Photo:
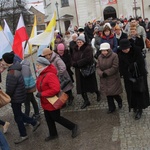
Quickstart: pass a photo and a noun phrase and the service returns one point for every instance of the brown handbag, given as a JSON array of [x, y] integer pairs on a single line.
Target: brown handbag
[[147, 42], [4, 98], [58, 100]]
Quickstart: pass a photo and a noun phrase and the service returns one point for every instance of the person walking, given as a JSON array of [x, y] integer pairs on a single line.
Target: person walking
[[82, 57], [48, 85], [108, 71], [30, 89], [5, 125], [128, 56], [15, 88]]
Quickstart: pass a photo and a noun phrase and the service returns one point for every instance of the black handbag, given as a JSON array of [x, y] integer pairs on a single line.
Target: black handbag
[[137, 80], [88, 70], [64, 81]]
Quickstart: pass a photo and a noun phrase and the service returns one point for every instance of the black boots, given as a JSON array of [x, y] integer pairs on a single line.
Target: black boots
[[138, 114], [98, 96], [86, 101], [70, 99]]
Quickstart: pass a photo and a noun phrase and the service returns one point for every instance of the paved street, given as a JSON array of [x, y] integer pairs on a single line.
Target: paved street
[[97, 129]]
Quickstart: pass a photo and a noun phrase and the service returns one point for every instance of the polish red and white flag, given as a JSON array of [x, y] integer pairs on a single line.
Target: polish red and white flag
[[20, 38]]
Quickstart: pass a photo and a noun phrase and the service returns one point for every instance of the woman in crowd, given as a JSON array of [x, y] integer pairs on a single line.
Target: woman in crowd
[[108, 37], [65, 56], [128, 56], [48, 86], [83, 56], [108, 71], [54, 58]]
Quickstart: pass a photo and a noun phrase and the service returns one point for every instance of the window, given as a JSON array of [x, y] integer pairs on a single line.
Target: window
[[64, 3]]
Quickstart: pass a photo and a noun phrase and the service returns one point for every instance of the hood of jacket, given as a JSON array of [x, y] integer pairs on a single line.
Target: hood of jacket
[[25, 62], [16, 66]]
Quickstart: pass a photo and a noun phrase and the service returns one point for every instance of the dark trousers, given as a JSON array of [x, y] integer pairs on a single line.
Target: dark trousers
[[110, 100], [31, 98], [54, 116], [3, 142], [21, 118], [2, 122]]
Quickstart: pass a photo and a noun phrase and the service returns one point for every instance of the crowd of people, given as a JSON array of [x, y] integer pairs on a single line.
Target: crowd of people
[[113, 49]]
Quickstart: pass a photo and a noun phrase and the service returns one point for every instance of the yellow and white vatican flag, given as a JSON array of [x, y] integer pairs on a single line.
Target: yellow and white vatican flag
[[28, 49], [46, 37], [5, 45]]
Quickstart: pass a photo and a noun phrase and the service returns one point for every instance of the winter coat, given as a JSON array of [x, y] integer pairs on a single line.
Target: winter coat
[[97, 42], [67, 60], [110, 85], [72, 45], [126, 61], [84, 57], [111, 39], [61, 69], [28, 78], [48, 85], [148, 32], [89, 33], [137, 41], [123, 36], [15, 86]]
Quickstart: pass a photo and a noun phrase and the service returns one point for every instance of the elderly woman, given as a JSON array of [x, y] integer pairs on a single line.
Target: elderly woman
[[48, 86], [54, 58], [108, 71], [82, 57], [128, 56]]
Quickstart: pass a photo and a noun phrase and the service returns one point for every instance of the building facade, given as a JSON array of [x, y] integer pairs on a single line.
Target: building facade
[[78, 12]]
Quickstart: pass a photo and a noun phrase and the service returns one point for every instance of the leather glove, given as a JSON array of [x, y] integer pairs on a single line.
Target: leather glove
[[104, 75], [38, 94]]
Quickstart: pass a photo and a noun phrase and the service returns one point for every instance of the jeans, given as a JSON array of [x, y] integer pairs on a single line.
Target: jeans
[[21, 118], [3, 143], [31, 98], [54, 116]]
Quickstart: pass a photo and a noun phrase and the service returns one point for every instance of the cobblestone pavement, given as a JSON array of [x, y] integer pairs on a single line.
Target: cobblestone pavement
[[97, 129]]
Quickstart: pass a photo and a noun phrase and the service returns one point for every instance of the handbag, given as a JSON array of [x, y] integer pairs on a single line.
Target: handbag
[[147, 42], [58, 100], [64, 81], [138, 84], [88, 70], [4, 98]]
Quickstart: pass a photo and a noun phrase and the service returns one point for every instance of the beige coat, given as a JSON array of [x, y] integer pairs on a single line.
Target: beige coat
[[110, 85]]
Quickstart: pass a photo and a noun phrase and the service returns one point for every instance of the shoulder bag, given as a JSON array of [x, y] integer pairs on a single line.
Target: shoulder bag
[[4, 98], [138, 84], [57, 100]]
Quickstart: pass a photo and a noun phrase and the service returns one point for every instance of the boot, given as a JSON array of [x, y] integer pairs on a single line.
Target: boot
[[86, 101], [98, 96], [71, 97], [119, 101], [138, 114], [111, 104]]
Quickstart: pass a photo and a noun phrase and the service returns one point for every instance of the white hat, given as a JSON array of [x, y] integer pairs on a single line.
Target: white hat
[[104, 46]]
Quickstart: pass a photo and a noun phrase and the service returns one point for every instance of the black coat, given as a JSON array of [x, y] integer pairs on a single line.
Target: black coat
[[126, 60], [15, 86], [84, 57]]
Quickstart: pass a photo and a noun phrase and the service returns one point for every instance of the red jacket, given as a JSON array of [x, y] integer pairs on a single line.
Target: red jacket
[[48, 85]]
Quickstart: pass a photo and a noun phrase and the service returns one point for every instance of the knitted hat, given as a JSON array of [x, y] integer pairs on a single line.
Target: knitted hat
[[124, 44], [60, 46], [58, 37], [81, 37], [8, 58], [46, 51], [104, 46], [43, 61]]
